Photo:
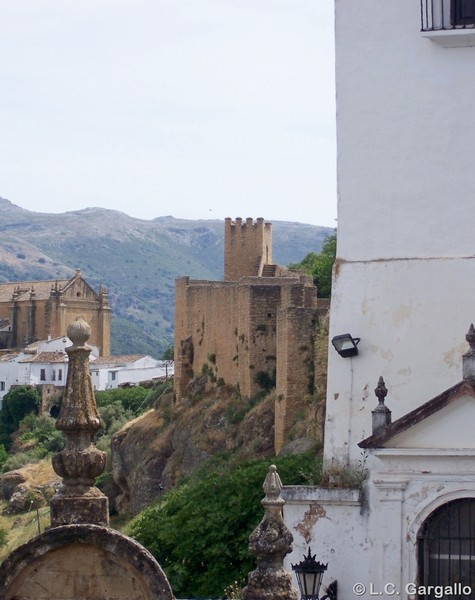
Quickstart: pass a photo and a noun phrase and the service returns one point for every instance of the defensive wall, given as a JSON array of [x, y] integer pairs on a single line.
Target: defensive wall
[[252, 332]]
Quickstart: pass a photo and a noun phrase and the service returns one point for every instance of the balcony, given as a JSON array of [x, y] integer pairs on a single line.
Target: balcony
[[447, 15]]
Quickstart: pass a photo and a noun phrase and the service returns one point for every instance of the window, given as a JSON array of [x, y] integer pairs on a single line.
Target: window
[[113, 375], [446, 545], [463, 12], [2, 386], [446, 15], [43, 375], [53, 377], [60, 374]]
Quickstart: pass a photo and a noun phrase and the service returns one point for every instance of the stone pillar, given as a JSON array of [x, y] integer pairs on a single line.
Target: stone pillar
[[78, 500], [270, 542]]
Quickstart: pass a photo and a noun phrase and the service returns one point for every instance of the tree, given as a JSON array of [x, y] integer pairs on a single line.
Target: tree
[[199, 531], [18, 403], [168, 353], [319, 266]]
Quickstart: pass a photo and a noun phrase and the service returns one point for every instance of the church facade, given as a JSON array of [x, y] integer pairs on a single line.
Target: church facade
[[38, 310], [397, 513]]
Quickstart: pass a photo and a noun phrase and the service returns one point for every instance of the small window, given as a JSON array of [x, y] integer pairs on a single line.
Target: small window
[[2, 386], [43, 375], [53, 376], [60, 374], [113, 375]]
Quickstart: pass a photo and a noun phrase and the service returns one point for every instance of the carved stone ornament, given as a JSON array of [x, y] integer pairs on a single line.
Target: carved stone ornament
[[270, 542], [78, 501]]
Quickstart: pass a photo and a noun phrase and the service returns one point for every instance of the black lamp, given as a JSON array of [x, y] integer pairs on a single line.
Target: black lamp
[[309, 575], [346, 345]]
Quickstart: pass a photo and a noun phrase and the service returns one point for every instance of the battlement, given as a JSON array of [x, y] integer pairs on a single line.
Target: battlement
[[247, 247]]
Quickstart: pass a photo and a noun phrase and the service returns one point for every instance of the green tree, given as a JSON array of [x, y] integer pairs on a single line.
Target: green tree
[[168, 353], [199, 531], [319, 266], [18, 403]]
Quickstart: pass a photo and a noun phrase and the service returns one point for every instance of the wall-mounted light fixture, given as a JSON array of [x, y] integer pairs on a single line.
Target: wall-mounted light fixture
[[346, 345]]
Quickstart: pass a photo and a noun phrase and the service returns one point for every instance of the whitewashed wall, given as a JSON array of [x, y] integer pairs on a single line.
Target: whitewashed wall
[[405, 277]]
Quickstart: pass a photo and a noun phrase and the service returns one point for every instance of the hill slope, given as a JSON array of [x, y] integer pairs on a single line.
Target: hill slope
[[138, 261]]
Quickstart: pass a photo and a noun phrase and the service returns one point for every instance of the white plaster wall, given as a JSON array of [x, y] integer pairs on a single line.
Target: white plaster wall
[[336, 531], [412, 317], [404, 136], [404, 279], [374, 543]]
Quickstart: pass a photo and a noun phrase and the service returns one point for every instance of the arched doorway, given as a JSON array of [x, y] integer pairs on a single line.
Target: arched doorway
[[446, 549]]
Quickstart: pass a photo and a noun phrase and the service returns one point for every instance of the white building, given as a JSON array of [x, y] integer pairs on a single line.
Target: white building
[[404, 283], [112, 371]]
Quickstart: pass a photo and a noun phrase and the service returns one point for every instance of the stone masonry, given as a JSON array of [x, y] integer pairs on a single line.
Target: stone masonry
[[255, 327]]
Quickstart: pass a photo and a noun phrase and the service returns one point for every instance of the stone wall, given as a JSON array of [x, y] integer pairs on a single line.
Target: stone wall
[[228, 330], [296, 328]]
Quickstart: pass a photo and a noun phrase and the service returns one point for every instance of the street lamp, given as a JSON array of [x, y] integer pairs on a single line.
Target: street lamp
[[346, 345], [309, 575]]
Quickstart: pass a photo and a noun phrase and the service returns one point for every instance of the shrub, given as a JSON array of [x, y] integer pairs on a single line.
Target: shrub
[[131, 398], [265, 380], [18, 403], [199, 531]]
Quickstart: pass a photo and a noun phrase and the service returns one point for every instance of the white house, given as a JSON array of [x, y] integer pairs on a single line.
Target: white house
[[404, 283], [44, 363], [111, 371]]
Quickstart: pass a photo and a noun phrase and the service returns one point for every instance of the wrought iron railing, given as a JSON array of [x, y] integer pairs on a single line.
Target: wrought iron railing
[[447, 14]]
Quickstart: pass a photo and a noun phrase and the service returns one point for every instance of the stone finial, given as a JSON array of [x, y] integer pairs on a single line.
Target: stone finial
[[381, 415], [468, 359], [78, 501], [269, 543]]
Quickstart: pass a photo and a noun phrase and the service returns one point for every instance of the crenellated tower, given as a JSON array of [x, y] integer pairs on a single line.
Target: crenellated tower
[[247, 247]]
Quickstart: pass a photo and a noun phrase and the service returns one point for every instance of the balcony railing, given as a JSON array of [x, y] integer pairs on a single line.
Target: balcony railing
[[438, 15]]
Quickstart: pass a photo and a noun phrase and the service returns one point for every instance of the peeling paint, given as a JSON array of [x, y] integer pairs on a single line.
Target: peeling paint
[[366, 392], [312, 515], [387, 354], [336, 396], [406, 372]]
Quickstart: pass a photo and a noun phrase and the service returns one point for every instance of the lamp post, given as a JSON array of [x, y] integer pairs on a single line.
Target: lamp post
[[309, 573]]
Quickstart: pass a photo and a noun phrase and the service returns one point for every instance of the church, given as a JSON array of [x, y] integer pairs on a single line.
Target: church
[[397, 514], [40, 310]]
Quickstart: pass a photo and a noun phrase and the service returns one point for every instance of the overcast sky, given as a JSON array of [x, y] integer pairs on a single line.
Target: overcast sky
[[191, 108]]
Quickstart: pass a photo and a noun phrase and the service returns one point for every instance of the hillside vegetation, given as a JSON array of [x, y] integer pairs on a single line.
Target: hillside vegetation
[[138, 261]]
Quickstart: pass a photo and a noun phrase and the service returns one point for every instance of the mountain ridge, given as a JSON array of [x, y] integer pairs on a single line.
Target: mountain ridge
[[137, 260]]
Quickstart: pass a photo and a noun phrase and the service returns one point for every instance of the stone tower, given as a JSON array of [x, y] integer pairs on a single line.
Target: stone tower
[[247, 247]]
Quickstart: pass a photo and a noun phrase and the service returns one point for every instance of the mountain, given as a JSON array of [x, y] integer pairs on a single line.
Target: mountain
[[138, 261]]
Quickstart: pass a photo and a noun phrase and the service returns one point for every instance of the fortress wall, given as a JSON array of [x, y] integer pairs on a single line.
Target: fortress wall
[[295, 374]]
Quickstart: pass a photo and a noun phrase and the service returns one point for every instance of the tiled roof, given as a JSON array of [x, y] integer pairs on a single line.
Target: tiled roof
[[119, 360], [42, 289], [8, 357], [46, 357]]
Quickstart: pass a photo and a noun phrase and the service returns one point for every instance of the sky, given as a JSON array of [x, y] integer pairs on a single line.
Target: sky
[[199, 109]]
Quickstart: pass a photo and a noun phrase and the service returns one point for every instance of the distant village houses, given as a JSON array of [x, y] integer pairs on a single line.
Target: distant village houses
[[45, 364]]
